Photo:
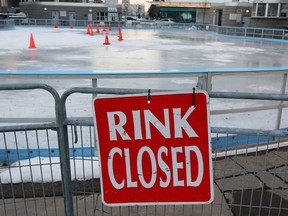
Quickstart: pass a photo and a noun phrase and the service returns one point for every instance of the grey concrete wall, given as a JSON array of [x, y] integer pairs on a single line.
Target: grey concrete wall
[[38, 12], [275, 23], [226, 21]]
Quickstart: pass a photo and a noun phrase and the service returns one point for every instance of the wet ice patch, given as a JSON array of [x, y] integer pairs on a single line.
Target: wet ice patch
[[219, 57]]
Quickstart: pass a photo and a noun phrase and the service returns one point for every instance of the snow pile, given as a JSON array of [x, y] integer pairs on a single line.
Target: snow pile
[[44, 169]]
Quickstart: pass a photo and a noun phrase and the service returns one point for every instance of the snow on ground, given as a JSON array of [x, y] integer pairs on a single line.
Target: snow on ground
[[141, 50], [44, 169]]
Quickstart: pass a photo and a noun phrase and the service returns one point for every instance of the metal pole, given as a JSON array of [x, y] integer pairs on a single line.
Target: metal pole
[[94, 85], [64, 159], [280, 106]]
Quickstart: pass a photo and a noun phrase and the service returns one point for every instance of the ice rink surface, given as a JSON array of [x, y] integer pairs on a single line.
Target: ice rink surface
[[140, 50], [64, 49]]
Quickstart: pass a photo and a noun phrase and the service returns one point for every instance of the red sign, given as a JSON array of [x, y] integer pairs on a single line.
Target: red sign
[[154, 151]]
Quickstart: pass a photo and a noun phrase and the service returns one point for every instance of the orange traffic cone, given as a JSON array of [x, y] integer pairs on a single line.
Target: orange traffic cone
[[97, 28], [56, 25], [32, 44], [91, 33], [71, 25], [120, 38], [88, 29], [110, 28], [106, 40], [104, 27]]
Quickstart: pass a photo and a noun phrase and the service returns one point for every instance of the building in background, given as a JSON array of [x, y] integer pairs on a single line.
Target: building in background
[[72, 11], [185, 11], [218, 12], [4, 5], [237, 13], [240, 13], [270, 14], [125, 7]]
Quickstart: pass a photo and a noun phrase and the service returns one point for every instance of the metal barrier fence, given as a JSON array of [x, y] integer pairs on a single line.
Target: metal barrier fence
[[250, 178], [265, 33], [6, 23]]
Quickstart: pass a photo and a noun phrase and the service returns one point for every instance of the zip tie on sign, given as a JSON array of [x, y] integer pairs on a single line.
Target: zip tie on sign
[[148, 96], [193, 97]]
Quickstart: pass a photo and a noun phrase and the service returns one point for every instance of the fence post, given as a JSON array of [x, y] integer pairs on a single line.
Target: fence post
[[205, 82], [64, 159], [95, 85], [280, 106]]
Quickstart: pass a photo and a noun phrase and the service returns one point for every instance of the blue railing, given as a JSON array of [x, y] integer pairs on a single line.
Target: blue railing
[[264, 33]]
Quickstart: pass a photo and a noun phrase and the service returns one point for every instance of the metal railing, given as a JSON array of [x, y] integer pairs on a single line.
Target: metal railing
[[249, 178], [6, 23], [264, 33]]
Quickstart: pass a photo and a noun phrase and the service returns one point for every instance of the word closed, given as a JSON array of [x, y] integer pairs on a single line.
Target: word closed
[[154, 153]]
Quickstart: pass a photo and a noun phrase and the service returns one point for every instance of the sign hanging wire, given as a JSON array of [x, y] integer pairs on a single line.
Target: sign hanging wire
[[193, 97], [148, 96]]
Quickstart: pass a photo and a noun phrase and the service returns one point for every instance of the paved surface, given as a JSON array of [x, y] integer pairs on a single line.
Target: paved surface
[[254, 184]]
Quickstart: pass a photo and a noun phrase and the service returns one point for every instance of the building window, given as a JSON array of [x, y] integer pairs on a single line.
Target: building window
[[254, 9], [272, 9], [284, 10], [261, 9], [102, 16]]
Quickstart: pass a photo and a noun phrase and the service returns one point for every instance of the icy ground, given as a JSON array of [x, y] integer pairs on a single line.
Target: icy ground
[[141, 50]]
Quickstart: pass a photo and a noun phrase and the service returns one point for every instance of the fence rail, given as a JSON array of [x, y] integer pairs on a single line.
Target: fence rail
[[65, 179], [264, 33]]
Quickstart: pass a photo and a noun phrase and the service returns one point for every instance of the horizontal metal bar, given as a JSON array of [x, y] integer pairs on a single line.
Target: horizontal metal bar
[[230, 95], [80, 122], [245, 109], [243, 95], [51, 126], [116, 91], [243, 131], [26, 120], [138, 74]]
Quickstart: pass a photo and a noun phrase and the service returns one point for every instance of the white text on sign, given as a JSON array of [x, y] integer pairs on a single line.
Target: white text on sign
[[150, 118], [176, 166]]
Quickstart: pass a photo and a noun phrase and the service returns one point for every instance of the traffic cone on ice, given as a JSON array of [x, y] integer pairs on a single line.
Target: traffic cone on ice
[[104, 27], [106, 42], [97, 28], [110, 28], [88, 29], [91, 33], [71, 25], [56, 25], [120, 38], [32, 44]]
